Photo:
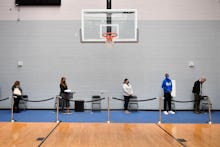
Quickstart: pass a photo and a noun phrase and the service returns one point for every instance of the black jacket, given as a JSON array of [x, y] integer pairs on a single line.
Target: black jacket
[[63, 88], [196, 87]]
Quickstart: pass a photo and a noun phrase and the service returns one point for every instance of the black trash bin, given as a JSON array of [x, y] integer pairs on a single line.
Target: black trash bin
[[79, 106]]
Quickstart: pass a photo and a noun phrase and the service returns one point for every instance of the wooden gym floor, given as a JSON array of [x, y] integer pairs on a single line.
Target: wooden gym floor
[[108, 135]]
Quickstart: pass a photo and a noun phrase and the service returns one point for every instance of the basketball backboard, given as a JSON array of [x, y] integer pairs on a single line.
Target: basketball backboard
[[96, 22]]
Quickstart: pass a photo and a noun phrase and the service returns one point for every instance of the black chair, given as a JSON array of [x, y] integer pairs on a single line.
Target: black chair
[[96, 103], [23, 102], [173, 106]]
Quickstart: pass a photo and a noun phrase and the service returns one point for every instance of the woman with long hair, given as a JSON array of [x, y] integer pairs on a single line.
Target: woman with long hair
[[65, 102], [17, 93]]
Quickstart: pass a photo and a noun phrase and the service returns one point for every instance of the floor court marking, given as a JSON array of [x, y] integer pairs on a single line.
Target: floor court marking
[[181, 143], [49, 134], [170, 135]]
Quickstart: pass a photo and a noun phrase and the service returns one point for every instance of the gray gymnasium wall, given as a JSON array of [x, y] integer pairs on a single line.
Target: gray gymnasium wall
[[51, 49]]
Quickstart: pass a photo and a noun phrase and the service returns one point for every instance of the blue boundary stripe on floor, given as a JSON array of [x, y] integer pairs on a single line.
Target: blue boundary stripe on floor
[[115, 116]]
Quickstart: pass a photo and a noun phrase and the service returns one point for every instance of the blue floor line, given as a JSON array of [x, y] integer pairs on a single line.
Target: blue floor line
[[115, 116]]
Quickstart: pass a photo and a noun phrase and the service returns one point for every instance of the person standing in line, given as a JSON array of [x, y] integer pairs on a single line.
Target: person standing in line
[[167, 89], [17, 94], [197, 91], [127, 93], [65, 102]]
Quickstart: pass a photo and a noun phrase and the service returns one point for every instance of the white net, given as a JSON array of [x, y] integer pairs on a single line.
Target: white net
[[109, 38]]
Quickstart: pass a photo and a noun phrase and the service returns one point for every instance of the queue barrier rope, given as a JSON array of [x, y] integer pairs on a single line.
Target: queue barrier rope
[[183, 101], [94, 100], [202, 97], [143, 100], [4, 99], [84, 101], [37, 100]]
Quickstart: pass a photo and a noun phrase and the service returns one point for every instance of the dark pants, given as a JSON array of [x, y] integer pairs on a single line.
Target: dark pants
[[16, 103], [167, 101], [64, 102], [127, 99], [197, 98]]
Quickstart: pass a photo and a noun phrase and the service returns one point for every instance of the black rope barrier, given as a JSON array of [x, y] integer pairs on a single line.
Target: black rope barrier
[[4, 99], [86, 101], [135, 100], [202, 97], [183, 101], [37, 100], [66, 99], [94, 100]]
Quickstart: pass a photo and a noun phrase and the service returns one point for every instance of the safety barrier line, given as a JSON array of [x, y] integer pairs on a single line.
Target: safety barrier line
[[4, 99], [143, 100], [182, 101], [37, 100]]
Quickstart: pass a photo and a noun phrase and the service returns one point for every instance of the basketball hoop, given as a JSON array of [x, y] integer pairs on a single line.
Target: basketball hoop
[[109, 38]]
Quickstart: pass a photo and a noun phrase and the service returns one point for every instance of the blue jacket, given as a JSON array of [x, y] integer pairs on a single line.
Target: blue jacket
[[167, 85]]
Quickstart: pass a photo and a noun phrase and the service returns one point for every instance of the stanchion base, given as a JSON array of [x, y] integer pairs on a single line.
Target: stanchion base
[[12, 120], [57, 121], [159, 122], [108, 122], [210, 122]]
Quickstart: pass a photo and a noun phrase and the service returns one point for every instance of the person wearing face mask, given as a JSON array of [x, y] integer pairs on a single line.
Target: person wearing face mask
[[167, 89], [127, 93], [65, 101], [197, 91], [17, 94]]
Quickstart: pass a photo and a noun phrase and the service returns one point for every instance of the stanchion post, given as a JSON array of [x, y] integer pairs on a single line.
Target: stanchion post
[[12, 109], [108, 111], [160, 112], [209, 108], [57, 107]]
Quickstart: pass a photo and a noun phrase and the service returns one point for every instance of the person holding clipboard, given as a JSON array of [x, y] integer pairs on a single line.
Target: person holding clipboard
[[64, 101]]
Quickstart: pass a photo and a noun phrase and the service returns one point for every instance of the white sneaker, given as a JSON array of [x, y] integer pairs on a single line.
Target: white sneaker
[[165, 112], [127, 112], [171, 112]]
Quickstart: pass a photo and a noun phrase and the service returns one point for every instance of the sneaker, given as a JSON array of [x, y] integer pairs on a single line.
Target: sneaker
[[127, 112], [171, 112], [165, 112], [68, 113]]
